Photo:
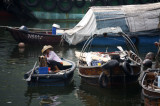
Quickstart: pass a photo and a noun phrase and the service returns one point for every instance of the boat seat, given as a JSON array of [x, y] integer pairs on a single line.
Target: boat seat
[[66, 65]]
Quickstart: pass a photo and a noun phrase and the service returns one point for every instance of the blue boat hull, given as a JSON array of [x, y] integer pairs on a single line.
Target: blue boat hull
[[52, 81], [61, 78], [119, 40]]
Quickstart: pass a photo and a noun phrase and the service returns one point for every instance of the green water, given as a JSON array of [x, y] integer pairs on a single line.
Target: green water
[[14, 63]]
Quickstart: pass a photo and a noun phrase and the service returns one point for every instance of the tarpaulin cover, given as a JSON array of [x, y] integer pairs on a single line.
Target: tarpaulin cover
[[108, 19]]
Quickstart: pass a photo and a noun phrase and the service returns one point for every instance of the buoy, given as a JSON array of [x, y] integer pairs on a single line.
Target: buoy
[[21, 45]]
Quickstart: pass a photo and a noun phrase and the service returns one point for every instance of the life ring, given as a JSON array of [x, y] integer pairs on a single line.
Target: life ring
[[32, 3], [65, 8], [47, 7], [81, 4], [127, 68], [103, 80], [93, 2]]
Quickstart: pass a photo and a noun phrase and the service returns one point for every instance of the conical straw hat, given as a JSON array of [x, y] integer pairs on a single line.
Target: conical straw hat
[[46, 47]]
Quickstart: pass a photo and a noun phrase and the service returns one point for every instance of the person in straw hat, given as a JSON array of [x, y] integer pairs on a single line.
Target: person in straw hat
[[53, 60]]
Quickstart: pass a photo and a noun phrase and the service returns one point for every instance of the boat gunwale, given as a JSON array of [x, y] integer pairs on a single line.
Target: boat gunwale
[[67, 71], [145, 88], [30, 32]]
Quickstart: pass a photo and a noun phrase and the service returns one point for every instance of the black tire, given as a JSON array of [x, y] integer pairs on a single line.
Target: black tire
[[103, 80], [142, 1], [127, 68], [65, 9], [48, 7], [135, 2], [79, 5], [110, 64], [138, 2], [150, 1], [103, 2], [108, 3], [125, 2], [32, 4], [120, 2]]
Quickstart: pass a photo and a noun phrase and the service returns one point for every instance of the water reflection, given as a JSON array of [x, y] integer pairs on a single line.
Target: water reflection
[[47, 96], [95, 96]]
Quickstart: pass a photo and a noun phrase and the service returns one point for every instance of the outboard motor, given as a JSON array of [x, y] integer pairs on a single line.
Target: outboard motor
[[23, 28]]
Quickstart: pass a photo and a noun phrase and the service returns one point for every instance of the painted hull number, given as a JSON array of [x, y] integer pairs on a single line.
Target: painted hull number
[[33, 36]]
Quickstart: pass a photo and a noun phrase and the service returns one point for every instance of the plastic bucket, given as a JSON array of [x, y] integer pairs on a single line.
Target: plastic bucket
[[54, 28]]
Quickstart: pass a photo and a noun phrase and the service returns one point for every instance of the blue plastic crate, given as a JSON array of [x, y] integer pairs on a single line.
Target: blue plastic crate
[[43, 70], [95, 62]]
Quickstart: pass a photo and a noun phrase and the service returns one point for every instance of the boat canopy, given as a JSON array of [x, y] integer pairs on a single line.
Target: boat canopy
[[108, 19]]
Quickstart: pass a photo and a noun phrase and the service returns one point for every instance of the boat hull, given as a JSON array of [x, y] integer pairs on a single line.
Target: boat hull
[[61, 78], [150, 90], [33, 37], [150, 98], [117, 77], [119, 40], [46, 80]]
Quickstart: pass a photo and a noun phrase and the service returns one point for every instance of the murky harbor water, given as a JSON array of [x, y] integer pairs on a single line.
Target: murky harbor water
[[14, 63]]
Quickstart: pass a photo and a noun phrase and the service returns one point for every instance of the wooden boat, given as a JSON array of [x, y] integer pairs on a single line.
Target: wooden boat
[[61, 78], [34, 36], [116, 68], [150, 88], [150, 80]]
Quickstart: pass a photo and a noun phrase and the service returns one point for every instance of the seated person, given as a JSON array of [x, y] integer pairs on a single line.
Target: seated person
[[53, 60]]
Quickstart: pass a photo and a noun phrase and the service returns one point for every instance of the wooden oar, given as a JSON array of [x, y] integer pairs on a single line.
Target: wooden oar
[[29, 78]]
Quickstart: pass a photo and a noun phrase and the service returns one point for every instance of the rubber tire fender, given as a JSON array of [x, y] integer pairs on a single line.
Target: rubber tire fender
[[109, 2], [103, 80], [79, 5], [120, 2], [93, 2], [127, 68], [49, 8], [65, 9], [139, 1], [125, 2], [35, 3]]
